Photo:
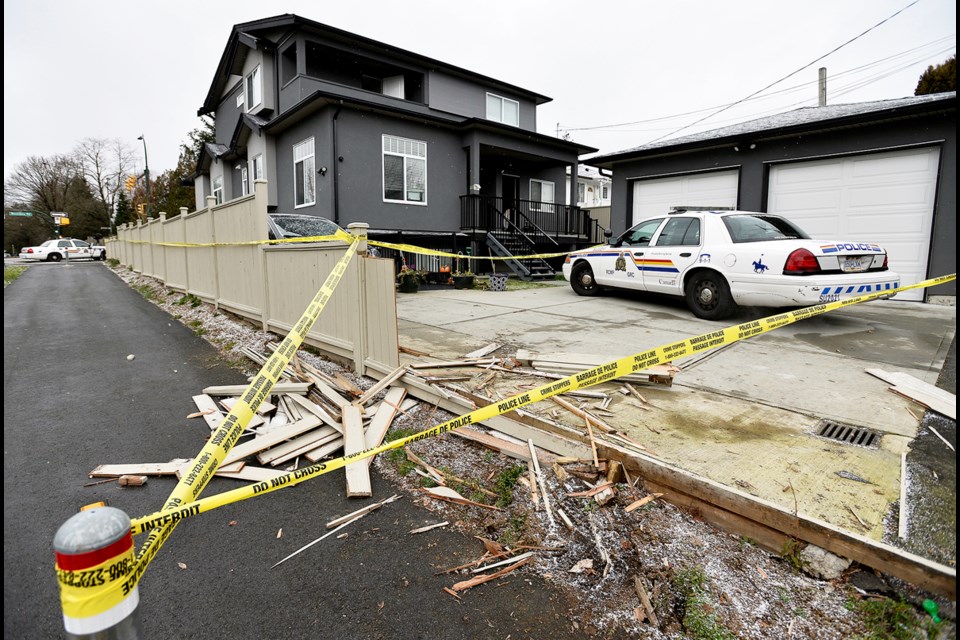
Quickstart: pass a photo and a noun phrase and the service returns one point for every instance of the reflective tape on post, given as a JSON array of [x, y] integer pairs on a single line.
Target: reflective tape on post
[[94, 552]]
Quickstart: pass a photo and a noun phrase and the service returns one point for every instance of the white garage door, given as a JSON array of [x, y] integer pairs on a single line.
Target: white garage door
[[885, 198], [655, 197]]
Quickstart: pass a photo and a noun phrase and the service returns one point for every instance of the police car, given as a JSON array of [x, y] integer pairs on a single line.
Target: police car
[[718, 259], [57, 250]]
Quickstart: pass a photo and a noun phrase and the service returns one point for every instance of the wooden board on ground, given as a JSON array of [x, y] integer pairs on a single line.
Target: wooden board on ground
[[297, 446], [930, 396], [211, 412], [358, 473], [252, 474], [255, 420], [299, 388], [275, 437], [569, 363], [316, 410], [383, 419]]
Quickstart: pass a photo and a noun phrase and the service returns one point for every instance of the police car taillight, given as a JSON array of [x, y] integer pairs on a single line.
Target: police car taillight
[[801, 262], [884, 267]]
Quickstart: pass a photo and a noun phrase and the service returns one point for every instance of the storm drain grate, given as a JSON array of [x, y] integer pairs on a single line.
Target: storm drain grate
[[847, 433]]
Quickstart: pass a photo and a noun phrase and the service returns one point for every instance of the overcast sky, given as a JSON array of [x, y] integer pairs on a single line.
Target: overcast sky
[[103, 68]]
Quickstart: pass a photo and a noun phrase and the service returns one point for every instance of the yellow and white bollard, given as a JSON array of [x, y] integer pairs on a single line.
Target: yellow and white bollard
[[94, 553]]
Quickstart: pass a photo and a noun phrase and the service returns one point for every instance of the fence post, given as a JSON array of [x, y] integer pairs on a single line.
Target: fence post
[[359, 230], [162, 247], [186, 260], [98, 543], [211, 204]]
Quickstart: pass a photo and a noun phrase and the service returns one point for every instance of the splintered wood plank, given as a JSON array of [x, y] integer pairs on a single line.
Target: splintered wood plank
[[502, 446], [252, 474], [924, 393], [318, 411], [321, 452], [383, 419], [255, 420], [142, 469], [275, 437], [358, 473], [466, 362], [297, 446], [211, 412], [482, 351], [381, 385], [266, 408], [300, 388]]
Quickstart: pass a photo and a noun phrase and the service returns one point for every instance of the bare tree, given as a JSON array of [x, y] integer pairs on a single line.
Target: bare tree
[[44, 184], [105, 164]]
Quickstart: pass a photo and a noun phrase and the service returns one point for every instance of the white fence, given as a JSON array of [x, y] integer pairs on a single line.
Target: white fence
[[271, 285]]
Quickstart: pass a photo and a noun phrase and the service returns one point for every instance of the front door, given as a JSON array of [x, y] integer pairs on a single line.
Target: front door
[[510, 190]]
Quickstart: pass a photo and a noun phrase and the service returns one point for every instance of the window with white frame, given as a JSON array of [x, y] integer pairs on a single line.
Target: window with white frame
[[218, 189], [541, 195], [253, 89], [244, 182], [581, 192], [258, 166], [304, 175], [505, 110], [404, 170], [605, 192]]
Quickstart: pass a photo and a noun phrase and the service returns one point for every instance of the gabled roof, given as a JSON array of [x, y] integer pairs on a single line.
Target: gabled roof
[[252, 34], [804, 119]]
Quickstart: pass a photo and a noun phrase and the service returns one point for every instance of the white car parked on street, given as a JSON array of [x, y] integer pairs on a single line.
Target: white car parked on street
[[57, 250], [718, 259]]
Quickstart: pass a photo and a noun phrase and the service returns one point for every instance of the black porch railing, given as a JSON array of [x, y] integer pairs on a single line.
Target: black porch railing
[[555, 223]]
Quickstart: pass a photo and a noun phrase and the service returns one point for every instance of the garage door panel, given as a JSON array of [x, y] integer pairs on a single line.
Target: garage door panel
[[898, 167], [910, 195], [808, 201], [819, 174], [656, 196], [886, 198]]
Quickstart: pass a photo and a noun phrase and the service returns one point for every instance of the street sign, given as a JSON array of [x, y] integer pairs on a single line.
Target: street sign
[[57, 214], [63, 221], [22, 214]]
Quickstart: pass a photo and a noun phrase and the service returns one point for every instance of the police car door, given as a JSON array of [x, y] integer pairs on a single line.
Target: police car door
[[673, 251], [619, 263]]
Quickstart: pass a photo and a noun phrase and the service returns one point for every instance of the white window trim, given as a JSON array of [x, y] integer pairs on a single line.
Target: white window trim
[[258, 86], [502, 102], [244, 182], [258, 167], [537, 205], [217, 191], [383, 177], [303, 159]]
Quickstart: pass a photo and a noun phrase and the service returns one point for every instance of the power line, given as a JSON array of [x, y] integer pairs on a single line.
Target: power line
[[803, 86], [793, 73]]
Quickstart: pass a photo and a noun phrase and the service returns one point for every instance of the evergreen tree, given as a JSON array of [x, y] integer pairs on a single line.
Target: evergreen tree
[[124, 213], [938, 79]]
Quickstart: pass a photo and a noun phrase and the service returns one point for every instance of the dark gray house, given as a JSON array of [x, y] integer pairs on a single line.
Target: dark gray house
[[356, 130], [882, 171]]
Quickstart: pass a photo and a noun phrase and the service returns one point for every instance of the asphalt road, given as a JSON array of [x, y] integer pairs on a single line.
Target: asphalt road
[[72, 401]]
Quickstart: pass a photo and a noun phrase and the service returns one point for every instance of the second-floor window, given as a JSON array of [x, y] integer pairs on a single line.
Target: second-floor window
[[541, 193], [244, 182], [304, 174], [258, 166], [218, 189], [581, 192], [605, 192], [505, 110], [404, 170], [253, 89]]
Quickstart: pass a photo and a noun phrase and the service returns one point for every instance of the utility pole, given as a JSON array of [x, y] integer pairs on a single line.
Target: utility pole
[[822, 87], [146, 171]]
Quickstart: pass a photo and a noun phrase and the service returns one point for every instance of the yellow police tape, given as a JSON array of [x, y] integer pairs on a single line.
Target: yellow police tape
[[341, 235], [410, 248], [85, 593], [232, 426], [595, 375]]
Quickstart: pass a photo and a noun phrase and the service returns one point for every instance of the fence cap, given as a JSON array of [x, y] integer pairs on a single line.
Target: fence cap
[[91, 530]]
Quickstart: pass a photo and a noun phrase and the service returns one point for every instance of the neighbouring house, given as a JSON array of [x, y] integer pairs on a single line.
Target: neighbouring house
[[355, 130], [593, 193], [882, 171]]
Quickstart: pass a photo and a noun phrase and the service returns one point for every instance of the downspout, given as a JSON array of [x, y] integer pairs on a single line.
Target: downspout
[[336, 169]]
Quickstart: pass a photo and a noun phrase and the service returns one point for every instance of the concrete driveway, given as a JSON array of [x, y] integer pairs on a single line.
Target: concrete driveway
[[747, 414]]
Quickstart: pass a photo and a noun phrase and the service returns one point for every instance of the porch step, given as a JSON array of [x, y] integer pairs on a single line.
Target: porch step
[[509, 246]]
